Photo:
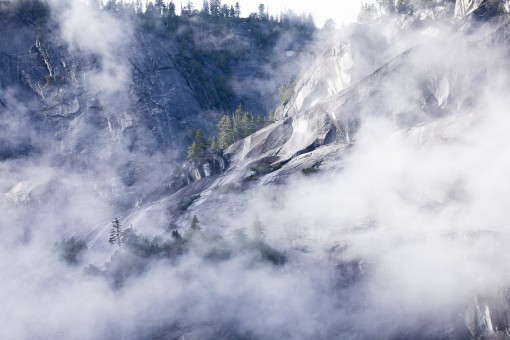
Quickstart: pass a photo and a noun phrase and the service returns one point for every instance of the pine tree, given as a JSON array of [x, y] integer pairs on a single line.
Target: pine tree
[[225, 132], [171, 9], [176, 235], [248, 124], [237, 124], [237, 10], [197, 150], [116, 233], [160, 7], [215, 7], [205, 9], [213, 144], [195, 224], [262, 11], [138, 7], [195, 230], [224, 11]]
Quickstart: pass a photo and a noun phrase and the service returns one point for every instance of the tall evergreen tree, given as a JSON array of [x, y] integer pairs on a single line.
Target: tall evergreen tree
[[195, 231], [171, 9], [225, 132], [112, 6], [176, 235], [215, 7], [116, 233], [237, 10], [138, 7], [225, 11], [213, 144], [262, 11], [205, 9], [237, 124], [160, 7], [197, 150], [195, 224]]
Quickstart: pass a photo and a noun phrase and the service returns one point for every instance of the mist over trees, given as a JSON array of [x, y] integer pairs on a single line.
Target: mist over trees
[[201, 34], [369, 203]]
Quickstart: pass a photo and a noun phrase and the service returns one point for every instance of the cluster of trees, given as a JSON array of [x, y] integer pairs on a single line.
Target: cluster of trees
[[215, 8], [369, 11], [129, 238], [240, 125], [211, 9], [153, 13], [230, 129], [31, 11], [136, 252], [134, 244]]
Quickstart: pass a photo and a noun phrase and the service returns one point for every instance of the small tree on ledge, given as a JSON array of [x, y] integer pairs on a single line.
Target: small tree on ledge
[[195, 224], [116, 233], [195, 229], [198, 149]]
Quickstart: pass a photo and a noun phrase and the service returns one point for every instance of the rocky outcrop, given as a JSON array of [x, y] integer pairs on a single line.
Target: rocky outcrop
[[426, 99], [137, 103], [215, 164], [480, 8]]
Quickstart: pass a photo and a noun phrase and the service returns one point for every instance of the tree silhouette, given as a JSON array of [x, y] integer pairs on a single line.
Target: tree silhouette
[[225, 132], [195, 224], [116, 233], [197, 150]]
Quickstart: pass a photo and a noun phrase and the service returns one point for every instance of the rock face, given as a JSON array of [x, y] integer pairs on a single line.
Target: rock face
[[126, 102], [329, 102], [427, 93], [480, 8], [430, 95], [163, 103]]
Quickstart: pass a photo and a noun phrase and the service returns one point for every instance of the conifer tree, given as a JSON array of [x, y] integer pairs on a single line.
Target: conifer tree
[[237, 124], [237, 10], [116, 233], [262, 11], [224, 11], [171, 9], [195, 230], [205, 9], [160, 7], [195, 224], [215, 7], [213, 144], [176, 235], [225, 132], [197, 150]]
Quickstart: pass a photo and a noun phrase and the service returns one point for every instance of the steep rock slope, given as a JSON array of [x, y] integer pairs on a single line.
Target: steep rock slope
[[421, 85], [125, 97], [430, 95]]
